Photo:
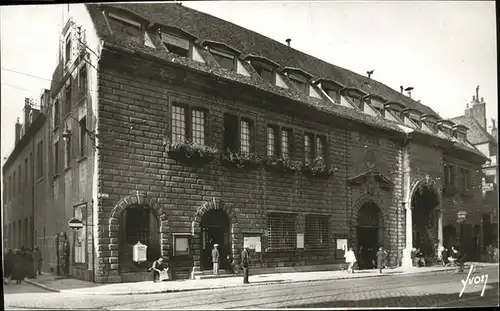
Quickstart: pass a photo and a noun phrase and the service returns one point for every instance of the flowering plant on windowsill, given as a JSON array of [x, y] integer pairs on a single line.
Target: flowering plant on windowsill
[[190, 150], [318, 167], [281, 163], [240, 159]]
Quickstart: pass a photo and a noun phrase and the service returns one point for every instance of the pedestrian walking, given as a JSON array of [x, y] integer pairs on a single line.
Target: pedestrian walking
[[381, 257], [244, 262], [215, 259], [350, 259], [37, 260]]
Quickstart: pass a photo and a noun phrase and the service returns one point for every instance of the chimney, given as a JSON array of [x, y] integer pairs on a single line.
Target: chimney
[[288, 41], [27, 109], [477, 93], [18, 131], [494, 130], [401, 88]]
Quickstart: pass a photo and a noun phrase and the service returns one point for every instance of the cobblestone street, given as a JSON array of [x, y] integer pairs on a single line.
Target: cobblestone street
[[425, 290]]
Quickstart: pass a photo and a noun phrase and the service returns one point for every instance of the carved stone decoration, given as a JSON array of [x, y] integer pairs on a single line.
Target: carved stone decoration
[[371, 179], [370, 159]]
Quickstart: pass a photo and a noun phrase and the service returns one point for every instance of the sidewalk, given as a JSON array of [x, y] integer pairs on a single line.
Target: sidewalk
[[56, 284]]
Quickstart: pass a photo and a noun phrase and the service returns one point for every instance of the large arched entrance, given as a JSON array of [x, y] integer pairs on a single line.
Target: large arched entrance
[[214, 229], [138, 223], [424, 202], [368, 233]]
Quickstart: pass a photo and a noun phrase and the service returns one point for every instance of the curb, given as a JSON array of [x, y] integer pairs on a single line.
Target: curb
[[42, 286], [164, 291]]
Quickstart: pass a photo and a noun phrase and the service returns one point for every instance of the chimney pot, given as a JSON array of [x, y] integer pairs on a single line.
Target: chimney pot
[[473, 98], [288, 41], [482, 99], [401, 88]]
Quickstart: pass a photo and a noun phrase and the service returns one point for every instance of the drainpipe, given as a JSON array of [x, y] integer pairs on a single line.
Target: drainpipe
[[32, 192]]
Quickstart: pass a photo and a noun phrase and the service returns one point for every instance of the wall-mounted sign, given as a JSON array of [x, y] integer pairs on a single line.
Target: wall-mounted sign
[[75, 224], [139, 252], [342, 244], [251, 242], [488, 187], [300, 240]]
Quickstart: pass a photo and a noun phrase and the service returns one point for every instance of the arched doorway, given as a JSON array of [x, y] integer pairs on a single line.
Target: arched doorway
[[214, 229], [368, 233], [424, 202], [138, 223]]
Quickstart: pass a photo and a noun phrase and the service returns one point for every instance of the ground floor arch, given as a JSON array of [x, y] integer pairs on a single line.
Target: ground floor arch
[[369, 233]]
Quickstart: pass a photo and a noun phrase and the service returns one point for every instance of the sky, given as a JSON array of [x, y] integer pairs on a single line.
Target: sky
[[442, 49]]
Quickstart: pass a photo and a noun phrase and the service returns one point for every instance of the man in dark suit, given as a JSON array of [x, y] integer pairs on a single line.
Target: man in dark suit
[[244, 264]]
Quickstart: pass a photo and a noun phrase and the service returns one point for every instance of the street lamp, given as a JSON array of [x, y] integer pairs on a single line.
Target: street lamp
[[66, 134]]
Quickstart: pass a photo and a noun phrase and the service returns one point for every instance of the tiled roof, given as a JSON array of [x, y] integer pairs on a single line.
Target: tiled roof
[[207, 27], [476, 133]]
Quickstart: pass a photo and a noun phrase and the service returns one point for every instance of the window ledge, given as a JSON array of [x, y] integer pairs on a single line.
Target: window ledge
[[66, 169], [82, 158], [55, 176], [39, 180]]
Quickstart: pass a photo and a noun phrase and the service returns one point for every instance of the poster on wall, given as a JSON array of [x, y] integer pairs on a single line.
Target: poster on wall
[[300, 240], [342, 244], [251, 242]]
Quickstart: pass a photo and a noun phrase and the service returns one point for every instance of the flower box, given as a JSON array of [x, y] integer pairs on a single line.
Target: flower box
[[281, 164], [191, 152], [318, 168], [240, 159]]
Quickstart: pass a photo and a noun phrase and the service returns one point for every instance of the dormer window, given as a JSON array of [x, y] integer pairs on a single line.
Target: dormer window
[[355, 99], [264, 67], [445, 127], [378, 106], [459, 132], [225, 60], [176, 45], [125, 28], [333, 94], [265, 72], [300, 82]]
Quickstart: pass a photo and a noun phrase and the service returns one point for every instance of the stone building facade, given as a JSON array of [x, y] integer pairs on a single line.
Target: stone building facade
[[203, 132]]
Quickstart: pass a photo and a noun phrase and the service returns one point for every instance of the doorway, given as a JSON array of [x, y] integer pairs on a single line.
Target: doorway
[[214, 229], [368, 234], [424, 220]]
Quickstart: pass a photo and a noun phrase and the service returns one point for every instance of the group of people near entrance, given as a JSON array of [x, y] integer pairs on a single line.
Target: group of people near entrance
[[22, 263], [380, 259]]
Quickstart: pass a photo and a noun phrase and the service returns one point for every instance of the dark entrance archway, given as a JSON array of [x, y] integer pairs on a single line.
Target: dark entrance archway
[[368, 234], [424, 202], [214, 229]]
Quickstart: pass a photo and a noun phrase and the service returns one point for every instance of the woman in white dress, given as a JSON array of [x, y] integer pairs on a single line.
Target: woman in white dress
[[350, 258]]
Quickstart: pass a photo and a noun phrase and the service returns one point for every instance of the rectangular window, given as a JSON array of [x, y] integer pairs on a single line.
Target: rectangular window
[[82, 80], [286, 143], [55, 114], [320, 147], [271, 141], [181, 244], [178, 123], [281, 230], [265, 73], [198, 127], [125, 28], [83, 135], [224, 60], [67, 153], [308, 148], [56, 157], [68, 50], [246, 136], [333, 94], [317, 234], [67, 99], [176, 45]]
